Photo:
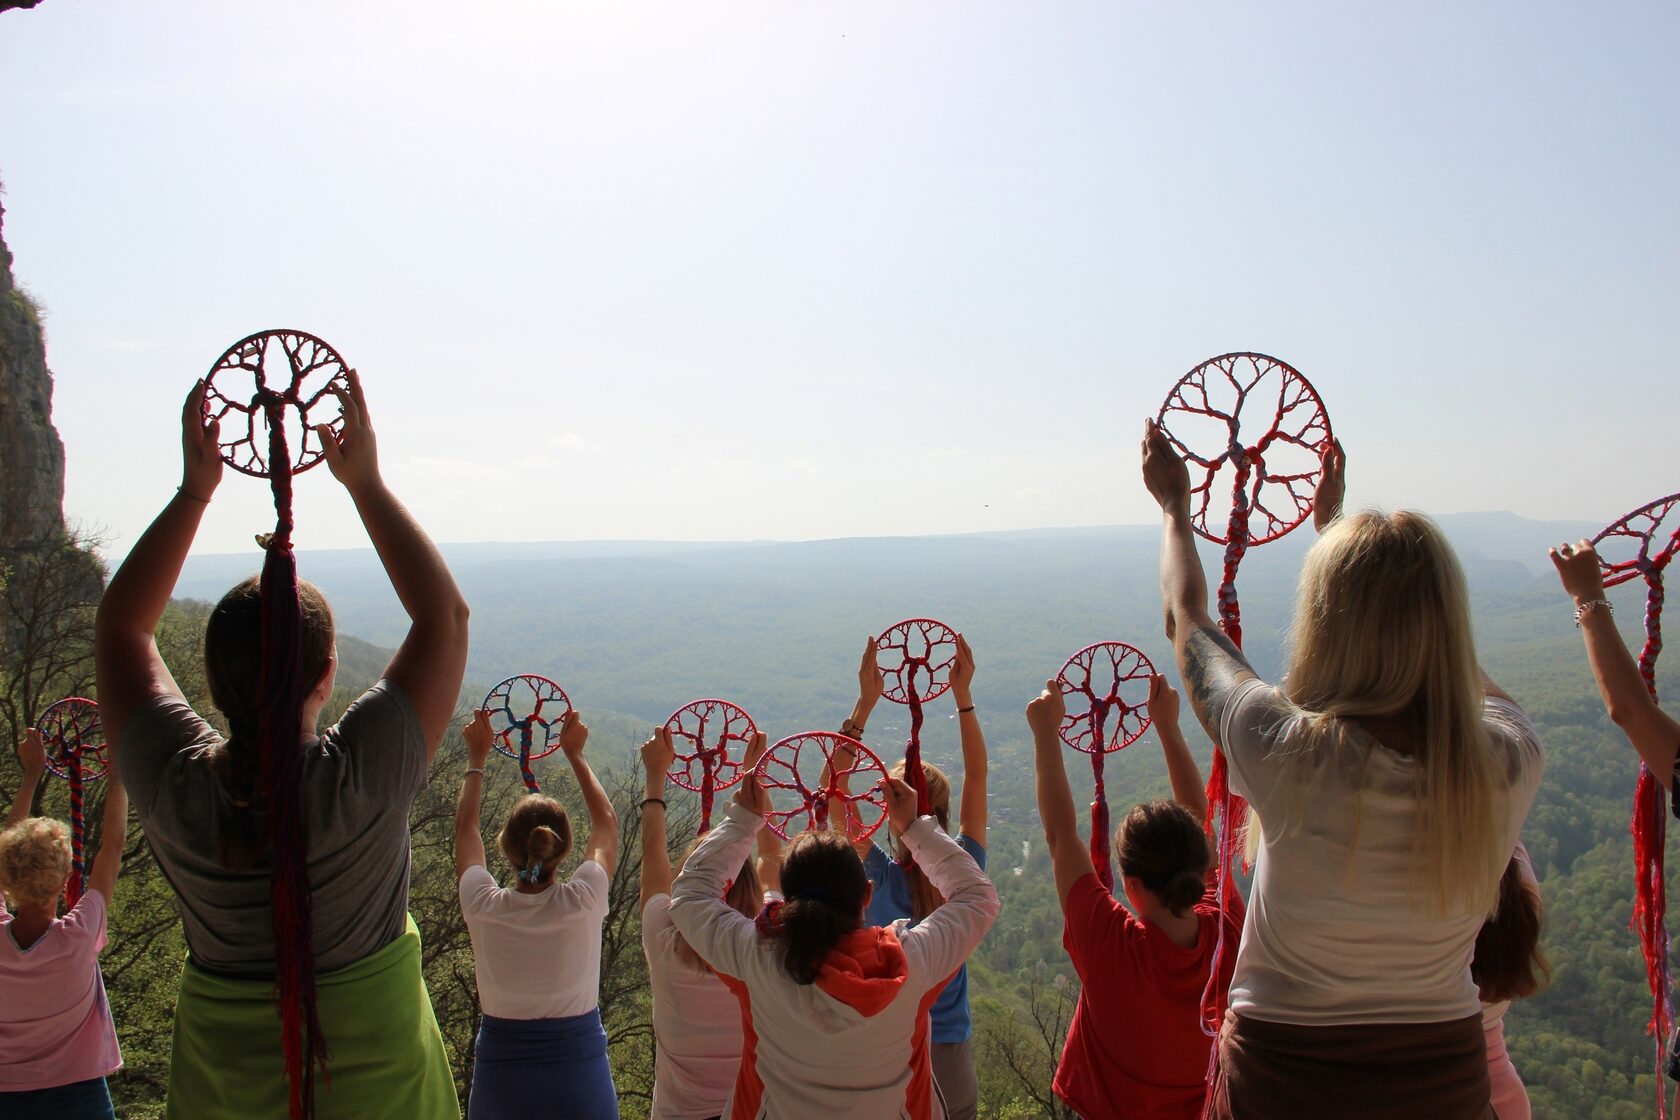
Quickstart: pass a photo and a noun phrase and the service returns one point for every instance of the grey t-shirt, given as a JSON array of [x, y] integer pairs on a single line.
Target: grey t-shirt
[[359, 781]]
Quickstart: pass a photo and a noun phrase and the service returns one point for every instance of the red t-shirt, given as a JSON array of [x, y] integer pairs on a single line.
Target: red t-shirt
[[1136, 1047]]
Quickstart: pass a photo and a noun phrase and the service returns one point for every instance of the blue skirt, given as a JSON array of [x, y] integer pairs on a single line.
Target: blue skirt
[[84, 1100], [526, 1069]]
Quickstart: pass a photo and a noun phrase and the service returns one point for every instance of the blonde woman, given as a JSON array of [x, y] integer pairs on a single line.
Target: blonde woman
[[1393, 780], [57, 1041], [697, 1025]]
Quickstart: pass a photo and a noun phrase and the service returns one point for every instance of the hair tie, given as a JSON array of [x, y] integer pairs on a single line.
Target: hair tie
[[769, 920], [532, 873]]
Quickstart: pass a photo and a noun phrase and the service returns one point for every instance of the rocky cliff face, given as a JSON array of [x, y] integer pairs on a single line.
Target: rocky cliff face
[[31, 456]]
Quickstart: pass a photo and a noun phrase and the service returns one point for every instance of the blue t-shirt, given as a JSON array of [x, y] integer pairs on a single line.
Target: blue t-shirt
[[891, 902]]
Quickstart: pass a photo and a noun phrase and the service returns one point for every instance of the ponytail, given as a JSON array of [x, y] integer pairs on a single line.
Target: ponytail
[[826, 889], [536, 837], [541, 846]]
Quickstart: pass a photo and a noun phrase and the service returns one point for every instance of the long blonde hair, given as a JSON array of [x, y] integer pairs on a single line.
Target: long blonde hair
[[924, 897], [1382, 629]]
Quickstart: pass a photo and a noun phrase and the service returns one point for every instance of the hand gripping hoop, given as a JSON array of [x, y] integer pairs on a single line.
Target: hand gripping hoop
[[1273, 472], [1642, 544], [904, 651], [518, 708], [798, 762], [292, 376], [1112, 680], [711, 738], [75, 746]]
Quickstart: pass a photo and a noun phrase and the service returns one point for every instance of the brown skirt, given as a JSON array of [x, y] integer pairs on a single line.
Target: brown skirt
[[1388, 1071]]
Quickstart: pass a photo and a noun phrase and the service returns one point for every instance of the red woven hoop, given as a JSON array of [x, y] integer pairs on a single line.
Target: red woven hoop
[[916, 645], [1272, 468], [1112, 679], [797, 763], [518, 708], [711, 738], [245, 381], [71, 727]]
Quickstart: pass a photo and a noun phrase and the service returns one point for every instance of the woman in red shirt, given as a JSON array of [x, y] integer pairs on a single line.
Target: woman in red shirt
[[1135, 1047]]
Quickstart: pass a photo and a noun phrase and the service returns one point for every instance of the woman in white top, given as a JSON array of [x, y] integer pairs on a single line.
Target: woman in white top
[[541, 1050], [835, 1012], [696, 1016], [1393, 780]]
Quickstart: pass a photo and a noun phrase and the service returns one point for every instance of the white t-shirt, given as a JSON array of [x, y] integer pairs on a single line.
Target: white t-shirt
[[696, 1023], [1327, 942], [536, 956]]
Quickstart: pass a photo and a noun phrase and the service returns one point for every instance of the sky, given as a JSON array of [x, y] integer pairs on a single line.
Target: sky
[[788, 271]]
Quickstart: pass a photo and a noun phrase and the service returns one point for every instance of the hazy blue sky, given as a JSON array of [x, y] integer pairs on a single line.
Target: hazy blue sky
[[798, 270]]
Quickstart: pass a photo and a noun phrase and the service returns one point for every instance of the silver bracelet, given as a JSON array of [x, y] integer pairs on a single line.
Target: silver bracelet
[[1587, 607], [479, 770]]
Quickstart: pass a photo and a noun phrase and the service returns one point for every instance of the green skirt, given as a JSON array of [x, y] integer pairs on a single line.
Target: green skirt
[[387, 1052]]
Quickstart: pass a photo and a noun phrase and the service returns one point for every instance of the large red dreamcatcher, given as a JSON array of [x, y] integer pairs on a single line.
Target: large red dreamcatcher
[[1641, 546], [520, 707], [284, 381], [916, 657], [711, 738], [75, 746], [1106, 689], [804, 765], [1256, 431]]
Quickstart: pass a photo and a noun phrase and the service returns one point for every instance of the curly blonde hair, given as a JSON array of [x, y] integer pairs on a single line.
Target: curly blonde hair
[[34, 860]]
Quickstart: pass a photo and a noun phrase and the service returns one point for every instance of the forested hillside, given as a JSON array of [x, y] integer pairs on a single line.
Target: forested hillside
[[634, 630]]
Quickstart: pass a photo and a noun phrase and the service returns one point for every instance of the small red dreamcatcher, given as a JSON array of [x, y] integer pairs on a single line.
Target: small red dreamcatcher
[[916, 657], [1270, 469], [1106, 689], [75, 746], [520, 707], [804, 765], [1640, 546], [711, 738]]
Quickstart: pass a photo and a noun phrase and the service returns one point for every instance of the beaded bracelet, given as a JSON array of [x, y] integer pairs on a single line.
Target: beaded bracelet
[[659, 801], [1587, 607]]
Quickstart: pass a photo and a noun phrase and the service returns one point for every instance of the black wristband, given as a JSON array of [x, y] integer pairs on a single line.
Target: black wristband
[[965, 711], [659, 801]]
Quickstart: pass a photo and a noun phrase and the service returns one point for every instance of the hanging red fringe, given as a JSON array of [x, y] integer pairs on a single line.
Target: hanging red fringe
[[280, 731], [1102, 857]]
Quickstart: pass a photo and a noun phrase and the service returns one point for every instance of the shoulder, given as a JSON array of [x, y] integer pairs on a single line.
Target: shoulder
[[1514, 733], [165, 724], [384, 707], [477, 888], [590, 885], [1089, 901], [973, 847]]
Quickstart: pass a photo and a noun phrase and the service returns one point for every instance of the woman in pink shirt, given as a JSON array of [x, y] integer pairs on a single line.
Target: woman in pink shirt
[[57, 1041]]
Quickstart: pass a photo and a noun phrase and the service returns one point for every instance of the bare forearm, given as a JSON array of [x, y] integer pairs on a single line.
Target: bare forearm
[[113, 834], [1184, 593], [974, 772], [602, 818], [469, 840], [1653, 733], [1182, 771], [417, 571], [1055, 797], [656, 859]]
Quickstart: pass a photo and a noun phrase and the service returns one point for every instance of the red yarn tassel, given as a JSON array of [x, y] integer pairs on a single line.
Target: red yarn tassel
[[282, 690], [1649, 827], [1101, 850], [78, 827], [913, 772]]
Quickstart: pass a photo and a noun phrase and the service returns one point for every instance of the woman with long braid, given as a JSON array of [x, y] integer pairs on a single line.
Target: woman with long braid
[[1392, 779], [205, 812]]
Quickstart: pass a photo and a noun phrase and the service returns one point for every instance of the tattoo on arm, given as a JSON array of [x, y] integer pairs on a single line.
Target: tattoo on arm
[[1212, 666]]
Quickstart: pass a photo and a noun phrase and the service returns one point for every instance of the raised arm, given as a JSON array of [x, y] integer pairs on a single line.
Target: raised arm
[[1654, 733], [469, 838], [129, 669], [657, 754], [871, 683], [722, 935], [1332, 487], [770, 845], [603, 822], [1182, 771], [973, 812], [33, 758], [944, 939], [1208, 662], [113, 835], [433, 656], [1070, 859]]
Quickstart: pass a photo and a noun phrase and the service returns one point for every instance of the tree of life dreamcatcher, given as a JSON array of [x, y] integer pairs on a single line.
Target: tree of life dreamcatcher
[[75, 746], [1256, 431], [1106, 689], [711, 738], [803, 765], [284, 381], [916, 657], [1641, 545], [520, 708]]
